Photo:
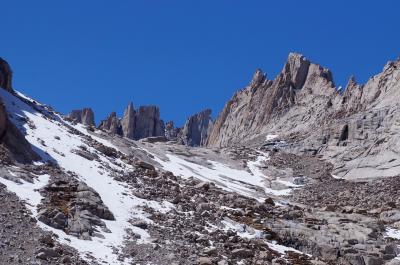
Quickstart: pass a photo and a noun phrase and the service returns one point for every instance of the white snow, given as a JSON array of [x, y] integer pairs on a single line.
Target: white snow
[[282, 249], [227, 178], [115, 196], [242, 230], [393, 233], [336, 177], [28, 191], [270, 137], [245, 231]]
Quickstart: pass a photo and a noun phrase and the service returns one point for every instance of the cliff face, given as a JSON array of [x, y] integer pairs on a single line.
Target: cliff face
[[148, 122], [196, 129], [251, 109], [356, 130], [128, 122]]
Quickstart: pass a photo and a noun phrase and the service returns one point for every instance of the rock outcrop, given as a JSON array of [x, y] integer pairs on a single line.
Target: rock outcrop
[[74, 207], [84, 116], [143, 123], [111, 125], [148, 122], [5, 75], [196, 129]]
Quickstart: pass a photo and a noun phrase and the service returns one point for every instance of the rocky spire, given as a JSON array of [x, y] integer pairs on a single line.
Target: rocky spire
[[84, 116], [148, 122], [196, 129], [128, 122], [111, 125], [5, 75]]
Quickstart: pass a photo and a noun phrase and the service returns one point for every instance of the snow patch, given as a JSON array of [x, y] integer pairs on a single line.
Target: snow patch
[[29, 192], [253, 184], [271, 137], [393, 233], [246, 231]]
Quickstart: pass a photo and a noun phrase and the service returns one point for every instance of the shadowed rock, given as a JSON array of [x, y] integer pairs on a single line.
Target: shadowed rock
[[14, 143], [5, 75]]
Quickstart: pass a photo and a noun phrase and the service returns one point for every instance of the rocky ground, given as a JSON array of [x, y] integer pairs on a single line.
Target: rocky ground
[[23, 242]]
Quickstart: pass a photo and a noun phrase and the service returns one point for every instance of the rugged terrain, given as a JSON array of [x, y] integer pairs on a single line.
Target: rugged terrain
[[293, 171]]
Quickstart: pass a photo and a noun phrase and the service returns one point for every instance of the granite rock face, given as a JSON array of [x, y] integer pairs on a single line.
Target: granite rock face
[[128, 122], [196, 129], [5, 75], [84, 116], [135, 124], [356, 129], [148, 122], [251, 109]]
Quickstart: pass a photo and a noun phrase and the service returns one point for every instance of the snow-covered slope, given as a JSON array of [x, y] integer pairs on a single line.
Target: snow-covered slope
[[52, 138]]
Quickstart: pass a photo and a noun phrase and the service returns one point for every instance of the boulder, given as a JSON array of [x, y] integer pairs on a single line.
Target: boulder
[[204, 261], [242, 253]]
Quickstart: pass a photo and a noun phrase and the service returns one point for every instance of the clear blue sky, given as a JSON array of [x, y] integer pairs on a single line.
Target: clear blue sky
[[184, 55]]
